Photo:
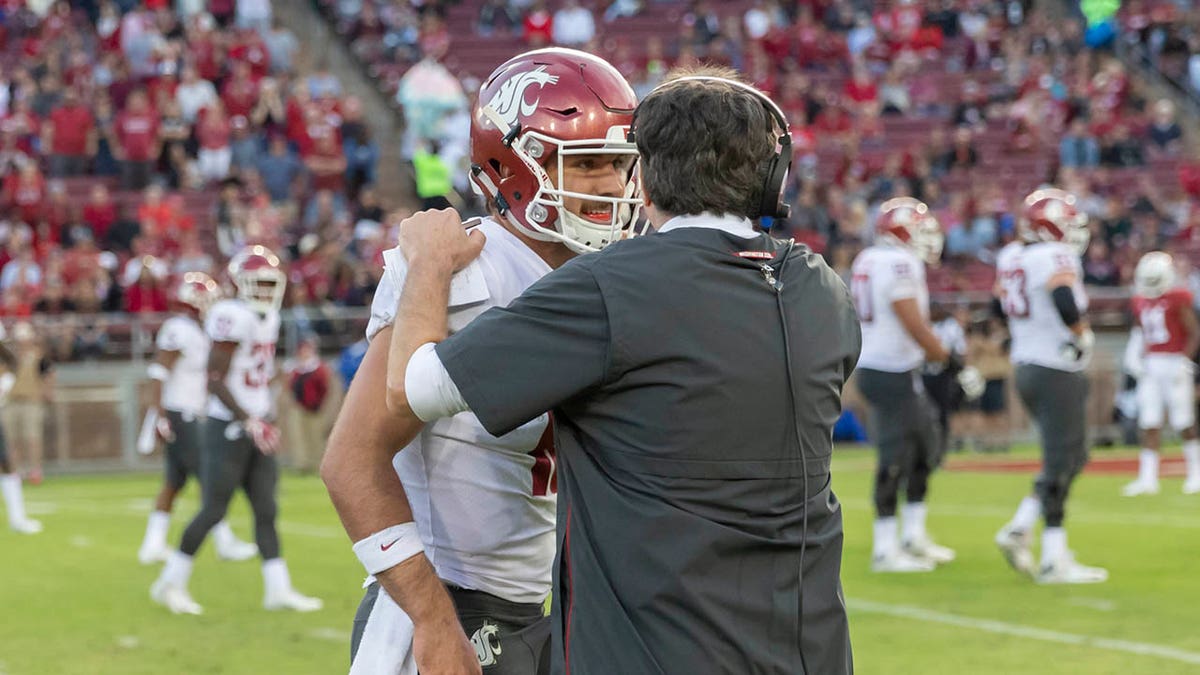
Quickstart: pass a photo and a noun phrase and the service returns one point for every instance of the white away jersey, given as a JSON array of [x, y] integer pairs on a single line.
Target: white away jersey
[[186, 389], [881, 276], [1038, 332], [253, 364], [484, 504]]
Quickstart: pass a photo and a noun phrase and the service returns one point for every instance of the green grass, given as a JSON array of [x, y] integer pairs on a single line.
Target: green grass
[[74, 600]]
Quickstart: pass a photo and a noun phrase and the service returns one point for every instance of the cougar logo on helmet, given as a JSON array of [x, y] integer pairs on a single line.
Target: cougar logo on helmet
[[509, 102]]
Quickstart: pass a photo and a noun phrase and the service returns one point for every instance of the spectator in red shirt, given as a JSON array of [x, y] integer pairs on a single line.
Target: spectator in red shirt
[[249, 49], [25, 192], [147, 295], [240, 93], [213, 132], [537, 25], [70, 137], [860, 89], [100, 212], [22, 124], [327, 164], [138, 143]]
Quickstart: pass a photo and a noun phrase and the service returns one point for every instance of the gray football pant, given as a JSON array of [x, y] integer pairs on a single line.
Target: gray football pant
[[1057, 402], [225, 465], [904, 423], [509, 638]]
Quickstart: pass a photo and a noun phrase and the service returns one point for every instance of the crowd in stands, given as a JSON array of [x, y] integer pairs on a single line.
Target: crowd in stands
[[143, 139], [967, 104]]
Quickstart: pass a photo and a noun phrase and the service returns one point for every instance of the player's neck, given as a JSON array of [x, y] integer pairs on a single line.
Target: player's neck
[[553, 253]]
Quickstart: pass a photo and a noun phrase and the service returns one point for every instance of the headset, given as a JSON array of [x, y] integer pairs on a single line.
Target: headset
[[780, 164]]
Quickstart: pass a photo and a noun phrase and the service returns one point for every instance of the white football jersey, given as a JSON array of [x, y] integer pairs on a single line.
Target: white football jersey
[[881, 276], [253, 364], [186, 389], [1038, 332], [484, 505]]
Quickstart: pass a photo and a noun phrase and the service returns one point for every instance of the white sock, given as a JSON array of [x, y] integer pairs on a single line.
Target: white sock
[[885, 536], [275, 575], [1029, 510], [223, 535], [156, 530], [1054, 544], [178, 570], [1148, 466], [1191, 455], [14, 501], [913, 520]]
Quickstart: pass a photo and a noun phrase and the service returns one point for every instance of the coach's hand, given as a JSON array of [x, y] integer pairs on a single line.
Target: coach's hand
[[439, 238]]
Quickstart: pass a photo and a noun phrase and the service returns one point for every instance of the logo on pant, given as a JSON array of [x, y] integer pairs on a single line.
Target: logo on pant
[[487, 643]]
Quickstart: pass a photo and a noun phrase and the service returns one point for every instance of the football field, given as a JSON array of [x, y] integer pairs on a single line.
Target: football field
[[73, 600]]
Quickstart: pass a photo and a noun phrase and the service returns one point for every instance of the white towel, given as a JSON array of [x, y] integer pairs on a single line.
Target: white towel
[[386, 645]]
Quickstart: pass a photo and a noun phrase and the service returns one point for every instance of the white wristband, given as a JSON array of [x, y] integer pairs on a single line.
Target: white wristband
[[158, 371], [387, 548]]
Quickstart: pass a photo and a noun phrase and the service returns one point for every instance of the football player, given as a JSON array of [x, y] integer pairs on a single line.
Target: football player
[[240, 442], [550, 156], [179, 390], [10, 480], [1040, 288], [890, 294], [1170, 336]]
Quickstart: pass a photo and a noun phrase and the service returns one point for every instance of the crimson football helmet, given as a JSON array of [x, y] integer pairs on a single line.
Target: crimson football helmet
[[905, 221], [1050, 214], [198, 291], [532, 112], [260, 281]]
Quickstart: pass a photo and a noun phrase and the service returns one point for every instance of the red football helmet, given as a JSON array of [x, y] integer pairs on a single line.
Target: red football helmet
[[1051, 215], [259, 279], [905, 221], [198, 291], [533, 111]]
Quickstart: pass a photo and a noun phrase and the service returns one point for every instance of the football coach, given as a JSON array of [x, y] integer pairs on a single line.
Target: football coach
[[694, 376]]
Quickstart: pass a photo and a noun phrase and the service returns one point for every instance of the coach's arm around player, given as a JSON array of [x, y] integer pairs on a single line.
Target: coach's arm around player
[[370, 499]]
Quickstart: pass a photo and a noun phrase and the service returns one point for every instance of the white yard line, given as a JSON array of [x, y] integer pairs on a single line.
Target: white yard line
[[1023, 631]]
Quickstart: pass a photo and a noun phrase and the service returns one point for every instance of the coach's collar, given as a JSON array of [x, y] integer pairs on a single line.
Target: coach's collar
[[737, 226]]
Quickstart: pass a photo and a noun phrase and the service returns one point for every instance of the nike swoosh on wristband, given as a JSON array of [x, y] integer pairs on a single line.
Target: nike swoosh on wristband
[[383, 547]]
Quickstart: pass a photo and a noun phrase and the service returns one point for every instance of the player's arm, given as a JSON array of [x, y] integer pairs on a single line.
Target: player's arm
[[1062, 293], [909, 314], [435, 247], [369, 497], [1192, 326], [219, 359], [159, 370]]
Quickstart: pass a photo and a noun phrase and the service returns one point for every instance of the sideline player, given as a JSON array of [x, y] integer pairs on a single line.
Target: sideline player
[[10, 480], [892, 300], [1040, 288], [179, 389], [1170, 337], [239, 443], [557, 178]]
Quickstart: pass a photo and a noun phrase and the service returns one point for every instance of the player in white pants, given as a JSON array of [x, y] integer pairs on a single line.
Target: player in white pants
[[1170, 336]]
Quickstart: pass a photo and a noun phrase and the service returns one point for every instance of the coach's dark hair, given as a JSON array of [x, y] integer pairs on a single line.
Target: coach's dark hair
[[705, 145]]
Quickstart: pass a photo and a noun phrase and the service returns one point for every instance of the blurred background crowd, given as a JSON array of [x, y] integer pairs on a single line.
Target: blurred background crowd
[[140, 139]]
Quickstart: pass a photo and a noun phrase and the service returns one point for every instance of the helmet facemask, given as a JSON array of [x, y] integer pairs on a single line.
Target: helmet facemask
[[262, 289], [579, 233]]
